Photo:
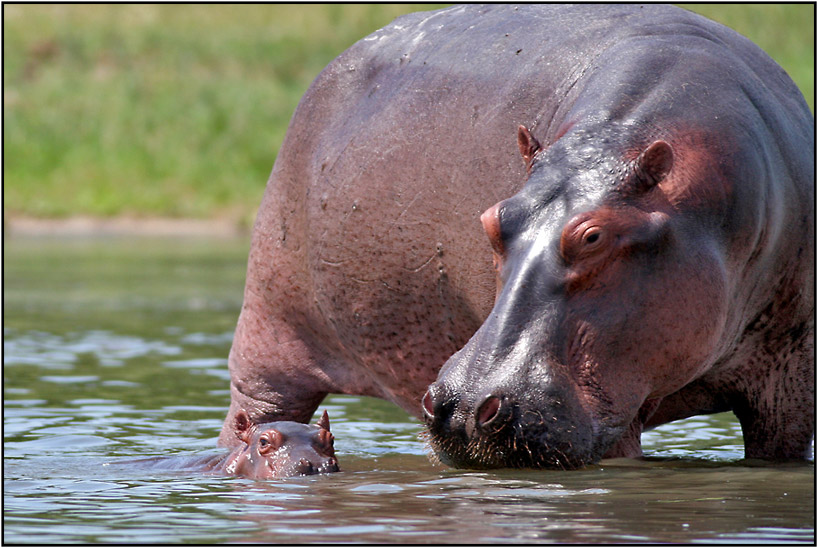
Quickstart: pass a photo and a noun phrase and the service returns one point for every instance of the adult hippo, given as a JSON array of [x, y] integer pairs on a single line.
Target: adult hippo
[[652, 252]]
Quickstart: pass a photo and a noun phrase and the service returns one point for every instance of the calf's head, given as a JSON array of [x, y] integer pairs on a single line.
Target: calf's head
[[282, 449]]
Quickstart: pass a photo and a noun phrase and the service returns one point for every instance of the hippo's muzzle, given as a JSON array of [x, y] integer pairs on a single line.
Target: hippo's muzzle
[[498, 430], [307, 467]]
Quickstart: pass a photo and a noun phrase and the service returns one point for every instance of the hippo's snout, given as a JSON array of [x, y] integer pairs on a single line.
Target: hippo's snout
[[498, 429], [306, 467], [491, 412], [468, 434]]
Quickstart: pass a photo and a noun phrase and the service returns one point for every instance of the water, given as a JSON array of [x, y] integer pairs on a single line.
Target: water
[[116, 349]]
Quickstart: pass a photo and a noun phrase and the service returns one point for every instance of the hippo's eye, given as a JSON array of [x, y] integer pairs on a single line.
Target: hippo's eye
[[270, 441], [582, 238], [592, 235]]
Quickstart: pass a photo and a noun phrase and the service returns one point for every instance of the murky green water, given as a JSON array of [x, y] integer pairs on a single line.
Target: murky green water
[[116, 348]]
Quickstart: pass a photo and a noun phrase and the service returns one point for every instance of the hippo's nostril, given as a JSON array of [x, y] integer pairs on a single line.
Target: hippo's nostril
[[438, 406], [305, 467], [488, 410], [428, 405], [331, 466]]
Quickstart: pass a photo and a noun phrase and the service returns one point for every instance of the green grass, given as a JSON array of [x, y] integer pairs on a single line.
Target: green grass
[[785, 31], [178, 110]]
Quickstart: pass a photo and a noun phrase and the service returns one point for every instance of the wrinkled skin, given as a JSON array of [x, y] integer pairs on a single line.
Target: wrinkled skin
[[649, 258]]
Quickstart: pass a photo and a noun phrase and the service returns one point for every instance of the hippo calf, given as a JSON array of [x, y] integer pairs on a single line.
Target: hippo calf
[[541, 229], [279, 449]]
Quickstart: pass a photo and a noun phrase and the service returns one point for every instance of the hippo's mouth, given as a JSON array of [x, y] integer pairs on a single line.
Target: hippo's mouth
[[528, 440]]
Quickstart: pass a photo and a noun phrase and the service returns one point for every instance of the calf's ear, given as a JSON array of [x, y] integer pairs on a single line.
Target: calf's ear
[[323, 422], [244, 426]]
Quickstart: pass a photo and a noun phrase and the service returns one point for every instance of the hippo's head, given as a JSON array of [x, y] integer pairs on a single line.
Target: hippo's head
[[282, 449], [611, 294]]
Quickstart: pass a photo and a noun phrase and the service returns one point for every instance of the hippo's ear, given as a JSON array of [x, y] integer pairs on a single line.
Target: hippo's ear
[[244, 426], [529, 146], [323, 422], [653, 165]]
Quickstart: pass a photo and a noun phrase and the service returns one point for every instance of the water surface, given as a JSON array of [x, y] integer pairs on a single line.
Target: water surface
[[115, 349]]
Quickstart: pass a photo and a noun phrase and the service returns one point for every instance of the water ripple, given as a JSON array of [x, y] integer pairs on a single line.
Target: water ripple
[[60, 352]]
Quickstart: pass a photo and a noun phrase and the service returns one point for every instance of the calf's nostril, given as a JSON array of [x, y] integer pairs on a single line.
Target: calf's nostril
[[488, 410], [305, 467]]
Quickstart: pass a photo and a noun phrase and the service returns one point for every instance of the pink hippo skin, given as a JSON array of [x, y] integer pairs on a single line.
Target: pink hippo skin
[[280, 449], [651, 257], [272, 450]]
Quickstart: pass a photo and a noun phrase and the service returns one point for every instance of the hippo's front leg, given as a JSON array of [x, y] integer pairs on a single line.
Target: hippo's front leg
[[272, 374], [629, 445], [776, 400]]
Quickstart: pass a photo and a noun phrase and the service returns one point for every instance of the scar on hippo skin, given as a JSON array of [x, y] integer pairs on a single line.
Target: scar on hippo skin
[[281, 449]]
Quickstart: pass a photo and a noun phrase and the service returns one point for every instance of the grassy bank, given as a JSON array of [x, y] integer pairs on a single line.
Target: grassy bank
[[178, 110]]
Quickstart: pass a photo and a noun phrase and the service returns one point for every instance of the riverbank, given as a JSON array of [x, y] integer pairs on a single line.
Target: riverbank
[[20, 226], [177, 111]]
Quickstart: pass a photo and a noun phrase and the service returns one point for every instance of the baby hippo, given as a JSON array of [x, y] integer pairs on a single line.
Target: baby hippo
[[280, 449], [272, 450]]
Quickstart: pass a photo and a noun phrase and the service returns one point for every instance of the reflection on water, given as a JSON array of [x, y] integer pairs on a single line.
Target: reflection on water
[[116, 351]]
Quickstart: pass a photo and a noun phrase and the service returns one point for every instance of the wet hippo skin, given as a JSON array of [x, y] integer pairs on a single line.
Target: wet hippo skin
[[272, 450], [540, 228], [281, 449]]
